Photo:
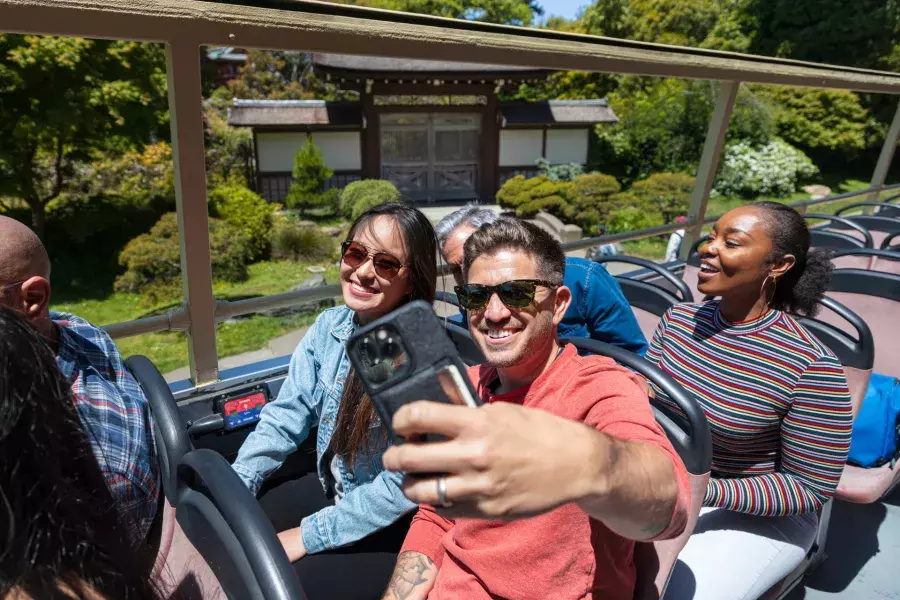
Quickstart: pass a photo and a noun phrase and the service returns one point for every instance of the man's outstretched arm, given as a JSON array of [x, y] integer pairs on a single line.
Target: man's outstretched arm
[[413, 577]]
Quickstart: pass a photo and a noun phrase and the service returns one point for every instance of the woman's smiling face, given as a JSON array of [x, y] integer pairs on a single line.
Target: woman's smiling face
[[735, 258], [364, 291]]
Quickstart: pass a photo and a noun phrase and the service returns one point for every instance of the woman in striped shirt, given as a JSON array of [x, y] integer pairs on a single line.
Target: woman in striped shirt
[[776, 399]]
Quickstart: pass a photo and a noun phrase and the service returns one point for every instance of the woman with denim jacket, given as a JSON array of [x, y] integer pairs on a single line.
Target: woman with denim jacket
[[387, 260]]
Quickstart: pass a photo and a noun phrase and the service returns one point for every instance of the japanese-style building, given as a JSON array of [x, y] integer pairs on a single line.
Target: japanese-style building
[[437, 130]]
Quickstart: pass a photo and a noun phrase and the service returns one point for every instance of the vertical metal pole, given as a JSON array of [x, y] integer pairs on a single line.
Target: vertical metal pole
[[709, 162], [186, 116], [885, 158]]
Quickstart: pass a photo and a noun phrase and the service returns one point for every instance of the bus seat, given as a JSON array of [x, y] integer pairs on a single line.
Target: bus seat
[[856, 352], [172, 440], [856, 355], [883, 209], [874, 296], [650, 297], [865, 486], [689, 434], [229, 528], [891, 242], [827, 235], [868, 259], [179, 569], [879, 226], [468, 350]]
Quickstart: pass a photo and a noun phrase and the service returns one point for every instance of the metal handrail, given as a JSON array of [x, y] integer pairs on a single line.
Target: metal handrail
[[177, 319]]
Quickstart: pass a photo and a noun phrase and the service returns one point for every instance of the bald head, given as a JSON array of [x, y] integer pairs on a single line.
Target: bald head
[[22, 255]]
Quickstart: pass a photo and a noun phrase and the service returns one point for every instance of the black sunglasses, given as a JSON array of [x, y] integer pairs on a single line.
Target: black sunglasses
[[387, 266], [517, 293]]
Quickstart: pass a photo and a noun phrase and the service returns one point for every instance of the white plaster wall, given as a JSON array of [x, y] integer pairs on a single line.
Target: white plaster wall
[[340, 149], [567, 146], [520, 147]]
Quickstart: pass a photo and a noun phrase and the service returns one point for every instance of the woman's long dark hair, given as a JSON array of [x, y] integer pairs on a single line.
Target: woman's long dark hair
[[800, 289], [352, 432], [59, 525]]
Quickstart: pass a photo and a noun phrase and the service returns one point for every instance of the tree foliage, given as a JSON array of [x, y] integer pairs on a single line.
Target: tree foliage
[[508, 12], [668, 194], [818, 119], [153, 265], [248, 213], [360, 196], [62, 100]]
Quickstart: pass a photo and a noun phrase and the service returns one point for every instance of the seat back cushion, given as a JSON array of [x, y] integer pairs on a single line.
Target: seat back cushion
[[646, 321], [654, 560], [865, 486], [882, 316]]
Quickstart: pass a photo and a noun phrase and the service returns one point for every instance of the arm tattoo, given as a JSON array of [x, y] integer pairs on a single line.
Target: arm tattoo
[[413, 569]]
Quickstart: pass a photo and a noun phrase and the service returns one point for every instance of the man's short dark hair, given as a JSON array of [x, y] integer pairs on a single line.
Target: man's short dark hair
[[516, 235]]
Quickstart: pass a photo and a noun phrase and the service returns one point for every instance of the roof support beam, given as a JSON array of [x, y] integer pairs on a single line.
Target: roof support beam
[[188, 153], [884, 159], [323, 27], [709, 163]]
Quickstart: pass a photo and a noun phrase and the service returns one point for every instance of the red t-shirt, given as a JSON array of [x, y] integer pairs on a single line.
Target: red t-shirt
[[563, 554]]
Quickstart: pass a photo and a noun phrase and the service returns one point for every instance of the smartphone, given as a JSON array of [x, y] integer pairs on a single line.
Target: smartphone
[[406, 356]]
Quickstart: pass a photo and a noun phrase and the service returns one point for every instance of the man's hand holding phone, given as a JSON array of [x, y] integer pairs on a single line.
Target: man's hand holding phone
[[503, 460]]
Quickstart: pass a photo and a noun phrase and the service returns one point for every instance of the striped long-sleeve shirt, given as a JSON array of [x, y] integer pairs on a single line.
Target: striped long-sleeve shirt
[[777, 403]]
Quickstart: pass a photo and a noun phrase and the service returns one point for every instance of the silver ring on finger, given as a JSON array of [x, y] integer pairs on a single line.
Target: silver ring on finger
[[442, 493]]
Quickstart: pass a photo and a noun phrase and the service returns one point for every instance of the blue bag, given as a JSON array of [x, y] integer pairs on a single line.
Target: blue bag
[[877, 426]]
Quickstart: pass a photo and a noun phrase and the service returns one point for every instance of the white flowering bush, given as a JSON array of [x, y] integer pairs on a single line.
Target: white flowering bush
[[772, 169]]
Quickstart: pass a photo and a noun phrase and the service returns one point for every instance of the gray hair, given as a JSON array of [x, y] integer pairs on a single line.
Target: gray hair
[[471, 214]]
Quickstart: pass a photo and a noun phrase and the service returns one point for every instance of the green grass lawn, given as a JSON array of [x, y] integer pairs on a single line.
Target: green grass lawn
[[169, 350]]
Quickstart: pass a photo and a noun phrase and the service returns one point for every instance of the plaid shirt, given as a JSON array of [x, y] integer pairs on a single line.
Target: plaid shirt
[[115, 414]]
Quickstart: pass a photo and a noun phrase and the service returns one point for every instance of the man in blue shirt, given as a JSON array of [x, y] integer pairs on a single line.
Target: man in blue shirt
[[598, 310], [112, 407]]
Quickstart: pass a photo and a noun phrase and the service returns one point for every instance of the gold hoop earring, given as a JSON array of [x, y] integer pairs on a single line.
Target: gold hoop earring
[[762, 290]]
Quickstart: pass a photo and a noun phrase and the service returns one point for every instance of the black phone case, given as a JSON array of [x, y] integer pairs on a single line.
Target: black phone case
[[429, 349]]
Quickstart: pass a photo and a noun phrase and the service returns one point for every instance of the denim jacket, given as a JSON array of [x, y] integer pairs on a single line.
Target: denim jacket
[[311, 396]]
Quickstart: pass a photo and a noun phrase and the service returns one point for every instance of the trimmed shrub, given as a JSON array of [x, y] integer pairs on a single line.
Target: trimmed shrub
[[669, 194], [772, 169], [585, 202], [246, 211], [360, 196], [590, 200], [308, 180], [302, 243], [528, 196], [152, 260], [632, 218]]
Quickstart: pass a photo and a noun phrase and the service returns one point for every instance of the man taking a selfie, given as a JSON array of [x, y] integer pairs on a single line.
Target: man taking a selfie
[[568, 441]]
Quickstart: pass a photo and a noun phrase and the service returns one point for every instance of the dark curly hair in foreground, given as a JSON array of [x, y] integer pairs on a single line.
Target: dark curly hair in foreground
[[62, 535], [801, 288]]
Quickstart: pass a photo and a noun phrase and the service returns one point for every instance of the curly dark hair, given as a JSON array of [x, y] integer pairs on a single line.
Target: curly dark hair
[[59, 522], [800, 289]]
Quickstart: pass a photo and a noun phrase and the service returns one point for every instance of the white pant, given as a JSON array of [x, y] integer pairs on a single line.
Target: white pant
[[735, 556]]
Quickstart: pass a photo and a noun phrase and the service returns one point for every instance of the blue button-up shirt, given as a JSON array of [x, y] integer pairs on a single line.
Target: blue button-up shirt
[[310, 397], [598, 310], [115, 414]]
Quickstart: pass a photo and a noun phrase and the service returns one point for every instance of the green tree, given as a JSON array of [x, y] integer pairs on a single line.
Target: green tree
[[63, 100], [309, 176], [818, 119], [509, 12], [860, 34], [668, 193]]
